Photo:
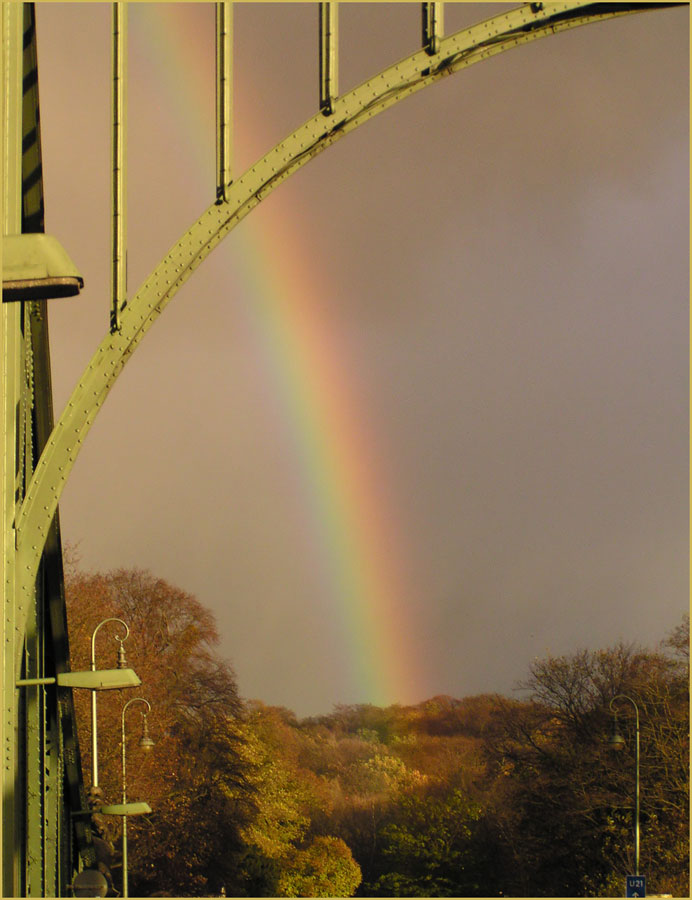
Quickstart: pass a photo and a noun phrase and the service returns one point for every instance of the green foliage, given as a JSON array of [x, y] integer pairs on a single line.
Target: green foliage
[[325, 868], [427, 849], [284, 858], [255, 875], [280, 799]]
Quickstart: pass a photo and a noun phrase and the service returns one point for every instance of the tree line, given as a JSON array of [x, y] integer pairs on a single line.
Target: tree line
[[477, 796]]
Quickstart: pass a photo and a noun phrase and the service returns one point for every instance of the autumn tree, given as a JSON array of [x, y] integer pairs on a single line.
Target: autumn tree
[[284, 855], [194, 779], [324, 868], [564, 803]]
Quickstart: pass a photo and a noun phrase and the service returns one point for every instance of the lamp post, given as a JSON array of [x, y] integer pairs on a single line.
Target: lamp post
[[121, 665], [617, 742], [145, 743]]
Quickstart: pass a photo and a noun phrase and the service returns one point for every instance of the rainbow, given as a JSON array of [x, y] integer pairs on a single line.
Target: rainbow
[[358, 550]]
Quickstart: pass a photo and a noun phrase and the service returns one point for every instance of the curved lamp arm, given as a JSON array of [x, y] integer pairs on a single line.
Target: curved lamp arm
[[122, 736], [93, 639], [625, 697]]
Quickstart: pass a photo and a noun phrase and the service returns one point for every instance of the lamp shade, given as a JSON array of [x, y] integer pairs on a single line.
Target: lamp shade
[[136, 808], [37, 267], [616, 741], [100, 680], [145, 742], [90, 883]]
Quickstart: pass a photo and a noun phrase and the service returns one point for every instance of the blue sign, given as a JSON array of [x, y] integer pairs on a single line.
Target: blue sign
[[636, 886]]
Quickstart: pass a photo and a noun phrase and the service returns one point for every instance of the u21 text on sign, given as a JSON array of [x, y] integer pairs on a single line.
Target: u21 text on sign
[[636, 886]]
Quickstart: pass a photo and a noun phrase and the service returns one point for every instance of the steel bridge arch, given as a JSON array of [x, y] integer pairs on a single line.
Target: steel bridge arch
[[456, 52]]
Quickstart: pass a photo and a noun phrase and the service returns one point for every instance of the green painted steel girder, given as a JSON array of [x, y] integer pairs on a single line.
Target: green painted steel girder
[[482, 41]]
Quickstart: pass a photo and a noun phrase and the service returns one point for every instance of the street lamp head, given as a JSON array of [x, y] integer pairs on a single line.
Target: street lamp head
[[90, 883], [122, 662], [616, 740], [145, 742]]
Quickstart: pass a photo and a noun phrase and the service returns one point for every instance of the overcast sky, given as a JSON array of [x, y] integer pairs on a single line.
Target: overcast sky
[[497, 274]]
